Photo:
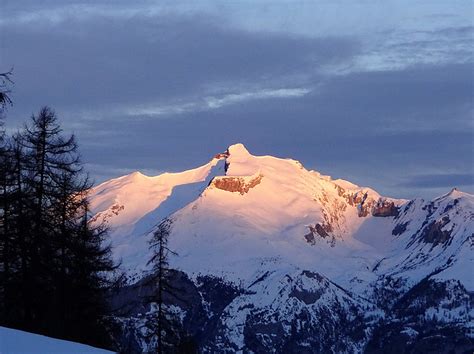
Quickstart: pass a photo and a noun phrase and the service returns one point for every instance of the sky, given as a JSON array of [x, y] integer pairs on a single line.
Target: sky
[[377, 93]]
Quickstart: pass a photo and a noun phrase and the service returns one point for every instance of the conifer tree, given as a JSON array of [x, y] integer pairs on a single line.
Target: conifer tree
[[164, 326], [49, 157], [5, 80], [55, 268]]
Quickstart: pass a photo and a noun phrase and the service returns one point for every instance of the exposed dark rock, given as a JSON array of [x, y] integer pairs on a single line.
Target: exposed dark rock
[[362, 203], [308, 297], [319, 230], [400, 229], [222, 155], [384, 208], [235, 184], [260, 334], [313, 275], [451, 205], [310, 238], [323, 230], [261, 278], [340, 190], [434, 234], [107, 214], [216, 292]]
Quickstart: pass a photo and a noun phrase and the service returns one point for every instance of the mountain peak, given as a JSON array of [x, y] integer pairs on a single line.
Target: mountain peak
[[238, 150], [454, 193], [136, 175]]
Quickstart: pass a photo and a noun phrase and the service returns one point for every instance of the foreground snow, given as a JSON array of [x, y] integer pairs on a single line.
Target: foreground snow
[[13, 341]]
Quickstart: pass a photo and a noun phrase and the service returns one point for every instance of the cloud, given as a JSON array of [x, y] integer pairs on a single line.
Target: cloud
[[402, 48], [444, 180], [103, 63], [217, 102], [211, 102], [417, 98]]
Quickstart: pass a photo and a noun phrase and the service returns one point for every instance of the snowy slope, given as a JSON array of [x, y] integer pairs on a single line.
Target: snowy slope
[[434, 238], [231, 231], [131, 205], [227, 219], [18, 342]]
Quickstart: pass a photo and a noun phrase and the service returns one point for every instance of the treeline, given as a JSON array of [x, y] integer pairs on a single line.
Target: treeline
[[56, 269]]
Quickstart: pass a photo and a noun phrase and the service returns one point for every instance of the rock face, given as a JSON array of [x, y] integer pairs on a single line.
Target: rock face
[[384, 208], [367, 204], [320, 231], [273, 258], [113, 211], [434, 233], [236, 184]]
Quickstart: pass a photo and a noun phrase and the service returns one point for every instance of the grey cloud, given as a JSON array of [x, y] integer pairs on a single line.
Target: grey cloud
[[445, 180], [401, 48], [424, 96], [454, 31], [107, 62]]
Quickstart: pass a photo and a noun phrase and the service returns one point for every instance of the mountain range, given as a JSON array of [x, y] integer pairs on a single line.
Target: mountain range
[[277, 258]]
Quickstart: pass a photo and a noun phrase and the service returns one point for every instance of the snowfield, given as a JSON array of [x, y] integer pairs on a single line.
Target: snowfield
[[13, 341]]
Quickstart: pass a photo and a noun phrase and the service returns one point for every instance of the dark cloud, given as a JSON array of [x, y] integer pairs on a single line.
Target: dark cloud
[[430, 94], [102, 62]]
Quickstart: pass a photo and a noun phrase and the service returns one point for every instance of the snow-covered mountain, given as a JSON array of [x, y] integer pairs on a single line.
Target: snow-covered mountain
[[304, 262]]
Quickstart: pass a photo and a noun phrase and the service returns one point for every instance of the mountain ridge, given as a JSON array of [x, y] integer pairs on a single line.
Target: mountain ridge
[[287, 241]]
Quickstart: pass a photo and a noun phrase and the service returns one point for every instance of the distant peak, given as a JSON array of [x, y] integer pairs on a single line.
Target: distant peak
[[456, 193], [453, 194], [238, 150]]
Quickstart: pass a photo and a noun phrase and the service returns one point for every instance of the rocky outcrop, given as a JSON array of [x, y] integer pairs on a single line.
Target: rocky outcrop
[[222, 155], [400, 228], [384, 208], [236, 184], [320, 231], [104, 216], [367, 205], [434, 233]]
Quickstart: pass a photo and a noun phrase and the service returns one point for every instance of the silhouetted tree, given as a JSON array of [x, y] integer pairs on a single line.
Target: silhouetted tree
[[49, 157], [165, 326], [55, 269], [5, 81]]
